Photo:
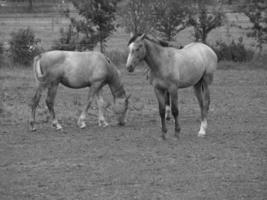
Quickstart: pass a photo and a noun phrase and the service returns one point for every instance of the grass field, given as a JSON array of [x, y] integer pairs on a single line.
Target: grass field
[[132, 162]]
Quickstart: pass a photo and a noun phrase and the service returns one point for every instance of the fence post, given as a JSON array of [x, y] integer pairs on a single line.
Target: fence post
[[52, 23]]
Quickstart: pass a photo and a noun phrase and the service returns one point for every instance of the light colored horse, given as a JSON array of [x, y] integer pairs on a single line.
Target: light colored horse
[[78, 70], [173, 68]]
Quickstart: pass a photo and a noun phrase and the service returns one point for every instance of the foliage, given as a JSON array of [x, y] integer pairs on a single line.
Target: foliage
[[136, 16], [71, 40], [204, 21], [96, 22], [118, 57], [256, 12], [235, 51], [67, 40], [170, 17], [23, 45]]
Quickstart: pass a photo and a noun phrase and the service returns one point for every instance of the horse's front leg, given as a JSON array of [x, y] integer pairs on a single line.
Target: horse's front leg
[[51, 94], [91, 94], [100, 103], [168, 106], [175, 111], [160, 94]]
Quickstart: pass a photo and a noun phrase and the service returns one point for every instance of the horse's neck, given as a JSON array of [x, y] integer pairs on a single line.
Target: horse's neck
[[115, 84], [153, 56]]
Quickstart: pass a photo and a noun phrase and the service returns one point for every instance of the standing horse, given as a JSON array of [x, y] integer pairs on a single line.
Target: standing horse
[[78, 70], [172, 69]]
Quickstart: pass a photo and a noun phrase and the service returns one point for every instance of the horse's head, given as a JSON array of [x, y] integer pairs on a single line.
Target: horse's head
[[120, 109], [137, 52]]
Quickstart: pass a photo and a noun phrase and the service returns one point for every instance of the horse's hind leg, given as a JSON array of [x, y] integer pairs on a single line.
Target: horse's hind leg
[[50, 100], [168, 106], [160, 94], [100, 103], [175, 111], [203, 96], [35, 101]]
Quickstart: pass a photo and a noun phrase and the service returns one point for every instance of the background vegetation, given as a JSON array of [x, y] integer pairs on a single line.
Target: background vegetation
[[236, 30]]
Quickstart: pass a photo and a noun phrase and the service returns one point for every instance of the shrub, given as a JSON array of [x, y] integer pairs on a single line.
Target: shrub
[[235, 51], [66, 40], [22, 46], [71, 40]]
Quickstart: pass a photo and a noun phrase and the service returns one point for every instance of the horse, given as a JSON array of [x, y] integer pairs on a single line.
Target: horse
[[173, 69], [78, 70], [148, 76]]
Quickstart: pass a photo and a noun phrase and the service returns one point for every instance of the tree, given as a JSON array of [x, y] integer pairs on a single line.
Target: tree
[[98, 19], [136, 16], [204, 20], [170, 17], [21, 43], [30, 6], [256, 12]]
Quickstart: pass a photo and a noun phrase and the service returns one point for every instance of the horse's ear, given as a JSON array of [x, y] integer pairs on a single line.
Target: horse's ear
[[142, 36]]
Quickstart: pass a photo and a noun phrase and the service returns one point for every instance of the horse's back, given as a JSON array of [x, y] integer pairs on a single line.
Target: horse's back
[[205, 55], [74, 69], [193, 62]]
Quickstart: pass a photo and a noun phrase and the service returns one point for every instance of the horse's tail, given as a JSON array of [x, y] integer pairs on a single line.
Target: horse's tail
[[39, 76]]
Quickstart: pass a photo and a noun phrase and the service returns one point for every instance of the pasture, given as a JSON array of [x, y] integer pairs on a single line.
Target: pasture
[[132, 162]]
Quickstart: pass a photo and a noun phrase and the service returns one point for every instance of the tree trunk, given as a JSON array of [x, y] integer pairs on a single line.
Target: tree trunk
[[101, 41], [30, 6], [101, 46], [1, 99]]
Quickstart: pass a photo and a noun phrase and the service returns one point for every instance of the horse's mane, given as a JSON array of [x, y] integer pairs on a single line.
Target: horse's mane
[[155, 40]]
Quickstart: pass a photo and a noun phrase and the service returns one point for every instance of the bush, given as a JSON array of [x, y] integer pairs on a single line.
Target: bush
[[66, 40], [22, 46], [235, 51], [71, 40]]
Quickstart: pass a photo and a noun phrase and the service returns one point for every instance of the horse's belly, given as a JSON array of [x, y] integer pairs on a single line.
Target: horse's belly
[[189, 77], [75, 78], [74, 84], [189, 81]]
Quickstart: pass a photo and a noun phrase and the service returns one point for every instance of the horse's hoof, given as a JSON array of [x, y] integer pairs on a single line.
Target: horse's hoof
[[163, 135], [33, 129], [82, 125], [201, 134], [105, 125], [57, 126], [177, 136], [102, 124], [168, 118]]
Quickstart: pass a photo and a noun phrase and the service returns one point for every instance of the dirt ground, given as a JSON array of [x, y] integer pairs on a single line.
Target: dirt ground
[[132, 162]]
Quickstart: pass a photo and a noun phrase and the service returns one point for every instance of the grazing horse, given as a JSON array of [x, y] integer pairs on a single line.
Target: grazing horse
[[173, 68], [78, 70]]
